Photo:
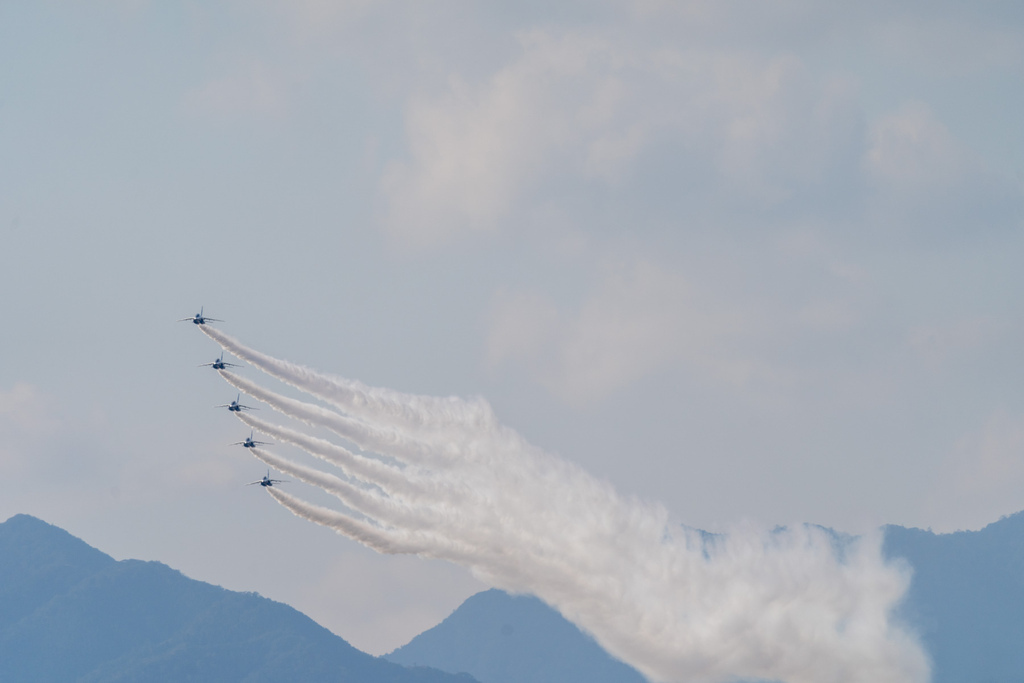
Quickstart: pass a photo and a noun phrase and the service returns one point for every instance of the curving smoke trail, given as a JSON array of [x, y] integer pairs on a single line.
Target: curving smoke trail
[[381, 440], [355, 529], [366, 502], [385, 406], [358, 467], [675, 603]]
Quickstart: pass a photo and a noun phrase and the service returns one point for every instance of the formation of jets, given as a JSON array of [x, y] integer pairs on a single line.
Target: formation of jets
[[236, 405]]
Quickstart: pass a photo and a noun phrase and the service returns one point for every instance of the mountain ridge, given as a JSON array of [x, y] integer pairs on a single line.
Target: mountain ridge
[[965, 600], [83, 616], [503, 638]]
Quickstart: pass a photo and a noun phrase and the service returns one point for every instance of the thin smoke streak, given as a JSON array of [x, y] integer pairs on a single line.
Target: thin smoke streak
[[360, 500], [389, 540], [392, 407], [378, 539], [386, 441], [357, 467]]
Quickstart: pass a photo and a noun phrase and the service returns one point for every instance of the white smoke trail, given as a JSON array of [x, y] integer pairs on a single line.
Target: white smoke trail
[[379, 440], [416, 533], [364, 501], [384, 405], [676, 605], [367, 534], [354, 466], [449, 536], [388, 514]]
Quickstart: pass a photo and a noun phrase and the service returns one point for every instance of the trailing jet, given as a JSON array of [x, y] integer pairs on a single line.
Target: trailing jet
[[267, 481], [218, 364], [251, 442], [235, 406], [200, 319]]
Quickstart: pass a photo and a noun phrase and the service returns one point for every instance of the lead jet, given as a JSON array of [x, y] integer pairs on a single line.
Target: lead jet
[[251, 442], [235, 406], [267, 481], [219, 364], [200, 319]]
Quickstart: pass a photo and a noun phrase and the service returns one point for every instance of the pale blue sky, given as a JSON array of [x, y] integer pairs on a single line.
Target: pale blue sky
[[754, 260]]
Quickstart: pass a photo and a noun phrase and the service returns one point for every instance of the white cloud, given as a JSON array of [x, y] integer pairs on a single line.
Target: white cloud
[[926, 180], [982, 478], [25, 408], [250, 89], [586, 110], [474, 149], [25, 419], [911, 150], [521, 326], [639, 320]]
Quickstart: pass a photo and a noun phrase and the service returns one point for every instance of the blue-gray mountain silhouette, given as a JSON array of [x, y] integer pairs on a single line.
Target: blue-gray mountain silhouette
[[68, 612], [71, 613], [502, 638], [966, 599]]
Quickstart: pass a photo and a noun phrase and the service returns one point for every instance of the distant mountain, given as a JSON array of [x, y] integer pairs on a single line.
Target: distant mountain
[[71, 613], [501, 638], [68, 612], [966, 599]]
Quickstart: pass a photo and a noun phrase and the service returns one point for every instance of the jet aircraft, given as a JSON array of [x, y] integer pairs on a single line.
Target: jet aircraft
[[200, 319], [219, 364], [267, 481], [235, 406], [251, 442]]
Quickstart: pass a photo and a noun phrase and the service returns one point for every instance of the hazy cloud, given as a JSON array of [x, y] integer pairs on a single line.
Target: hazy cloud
[[925, 179], [639, 319], [25, 421], [580, 111], [936, 346], [984, 471], [250, 89]]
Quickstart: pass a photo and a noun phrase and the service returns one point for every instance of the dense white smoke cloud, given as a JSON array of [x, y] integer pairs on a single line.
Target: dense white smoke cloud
[[678, 604]]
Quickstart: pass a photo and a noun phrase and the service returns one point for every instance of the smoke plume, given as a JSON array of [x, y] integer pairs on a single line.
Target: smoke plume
[[441, 477]]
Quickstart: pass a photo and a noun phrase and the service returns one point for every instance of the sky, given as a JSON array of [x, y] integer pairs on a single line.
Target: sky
[[758, 261]]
